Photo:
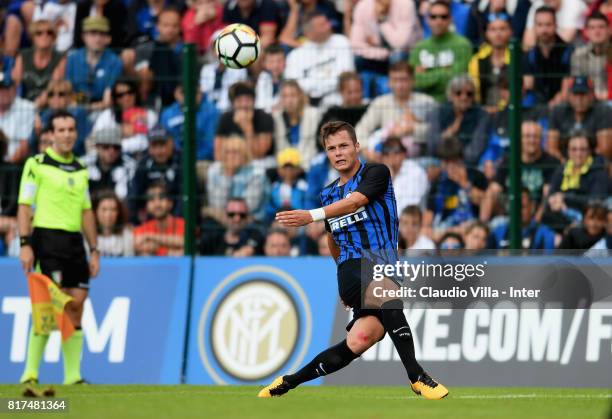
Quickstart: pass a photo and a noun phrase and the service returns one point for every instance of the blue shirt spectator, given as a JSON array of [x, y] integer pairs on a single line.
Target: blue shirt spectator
[[285, 197], [145, 22], [452, 199], [207, 116], [91, 82], [93, 69], [452, 204], [289, 192], [534, 236], [143, 16]]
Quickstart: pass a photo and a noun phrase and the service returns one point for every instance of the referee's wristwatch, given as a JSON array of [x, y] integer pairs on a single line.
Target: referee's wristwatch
[[94, 250], [25, 241]]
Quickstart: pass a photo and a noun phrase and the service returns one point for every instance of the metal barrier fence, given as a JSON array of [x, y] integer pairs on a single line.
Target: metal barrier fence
[[227, 169]]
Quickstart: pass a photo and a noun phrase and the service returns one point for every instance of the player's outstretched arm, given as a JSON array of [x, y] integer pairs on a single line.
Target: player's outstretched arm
[[346, 206], [298, 218]]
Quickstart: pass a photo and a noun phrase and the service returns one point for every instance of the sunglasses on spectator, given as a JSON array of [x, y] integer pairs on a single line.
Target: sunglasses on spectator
[[578, 149], [58, 94], [48, 32], [237, 214], [468, 93], [441, 17], [110, 146], [153, 196]]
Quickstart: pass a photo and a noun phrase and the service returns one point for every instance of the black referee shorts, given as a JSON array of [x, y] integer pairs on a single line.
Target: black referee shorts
[[60, 255], [351, 281]]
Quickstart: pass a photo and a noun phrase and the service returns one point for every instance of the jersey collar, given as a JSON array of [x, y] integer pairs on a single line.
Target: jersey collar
[[361, 166], [59, 158]]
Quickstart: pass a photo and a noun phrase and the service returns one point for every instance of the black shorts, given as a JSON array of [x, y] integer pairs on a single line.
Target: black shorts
[[60, 255], [350, 283]]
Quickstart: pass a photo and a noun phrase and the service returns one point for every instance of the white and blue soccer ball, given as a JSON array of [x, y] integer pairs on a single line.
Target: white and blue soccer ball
[[237, 46]]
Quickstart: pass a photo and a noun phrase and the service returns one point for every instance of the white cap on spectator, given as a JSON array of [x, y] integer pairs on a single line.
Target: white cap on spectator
[[107, 136]]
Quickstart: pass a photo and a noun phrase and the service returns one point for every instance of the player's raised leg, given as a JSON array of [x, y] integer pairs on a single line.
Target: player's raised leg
[[365, 332], [395, 323]]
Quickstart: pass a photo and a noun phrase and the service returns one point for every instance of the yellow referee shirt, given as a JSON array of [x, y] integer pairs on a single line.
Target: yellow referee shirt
[[57, 188]]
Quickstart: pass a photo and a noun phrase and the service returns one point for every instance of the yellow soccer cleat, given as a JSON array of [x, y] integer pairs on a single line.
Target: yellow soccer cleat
[[427, 387], [278, 387]]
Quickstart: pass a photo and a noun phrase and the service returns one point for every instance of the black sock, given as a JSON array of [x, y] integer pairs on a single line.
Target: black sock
[[327, 362], [396, 326]]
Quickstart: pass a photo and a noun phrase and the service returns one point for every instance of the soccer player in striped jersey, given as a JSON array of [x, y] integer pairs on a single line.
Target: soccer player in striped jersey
[[361, 220]]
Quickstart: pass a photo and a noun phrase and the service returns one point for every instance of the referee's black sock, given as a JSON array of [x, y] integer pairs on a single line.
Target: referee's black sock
[[396, 326], [327, 362]]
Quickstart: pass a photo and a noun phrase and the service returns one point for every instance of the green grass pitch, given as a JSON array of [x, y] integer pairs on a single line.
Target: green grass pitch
[[228, 402]]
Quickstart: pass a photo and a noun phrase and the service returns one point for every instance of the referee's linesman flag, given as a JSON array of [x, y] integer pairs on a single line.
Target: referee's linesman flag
[[48, 303]]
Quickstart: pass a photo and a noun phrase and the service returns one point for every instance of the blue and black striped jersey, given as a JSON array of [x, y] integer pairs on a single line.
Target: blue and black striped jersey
[[372, 228]]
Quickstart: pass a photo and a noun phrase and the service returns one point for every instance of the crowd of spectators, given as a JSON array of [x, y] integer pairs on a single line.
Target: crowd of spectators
[[423, 81]]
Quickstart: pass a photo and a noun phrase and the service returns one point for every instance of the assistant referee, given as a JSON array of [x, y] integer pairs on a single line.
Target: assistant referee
[[55, 189]]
